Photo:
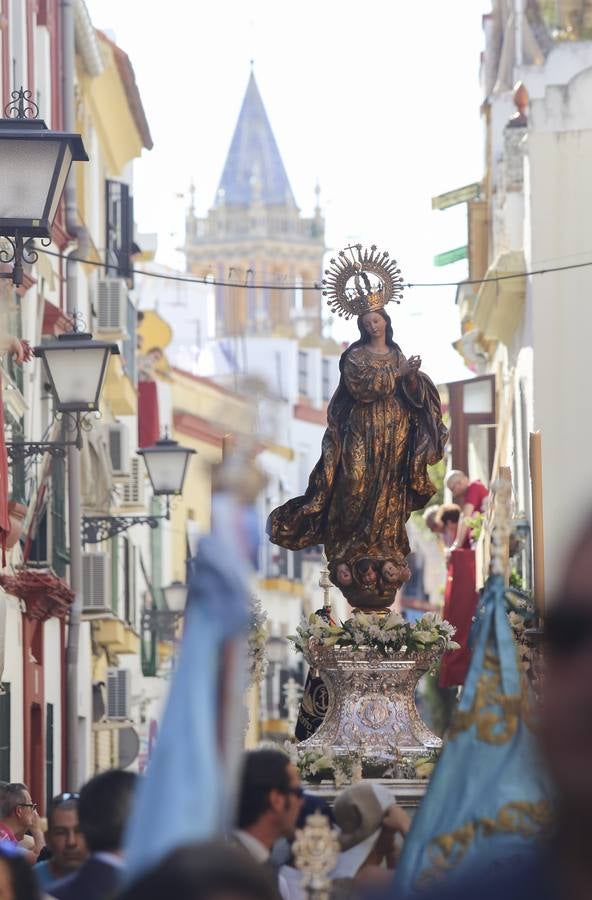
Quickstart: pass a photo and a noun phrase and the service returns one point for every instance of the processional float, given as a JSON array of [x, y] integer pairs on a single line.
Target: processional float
[[384, 429]]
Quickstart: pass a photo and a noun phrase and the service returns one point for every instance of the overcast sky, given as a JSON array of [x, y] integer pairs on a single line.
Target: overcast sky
[[378, 101]]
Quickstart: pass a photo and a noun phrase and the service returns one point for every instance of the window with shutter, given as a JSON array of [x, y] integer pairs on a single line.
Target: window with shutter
[[111, 306], [117, 446], [60, 555], [133, 487], [96, 581], [118, 693], [120, 229]]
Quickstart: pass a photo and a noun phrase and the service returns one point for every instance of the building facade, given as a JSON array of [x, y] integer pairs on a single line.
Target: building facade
[[117, 573], [530, 222]]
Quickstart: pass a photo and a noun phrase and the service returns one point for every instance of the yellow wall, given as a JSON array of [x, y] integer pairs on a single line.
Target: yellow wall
[[195, 502], [111, 114], [224, 412], [204, 399]]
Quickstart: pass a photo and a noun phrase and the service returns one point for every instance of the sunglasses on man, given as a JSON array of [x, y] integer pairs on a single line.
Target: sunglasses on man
[[63, 798], [568, 630]]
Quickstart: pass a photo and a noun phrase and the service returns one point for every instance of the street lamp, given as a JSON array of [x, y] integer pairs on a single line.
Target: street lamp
[[163, 622], [166, 463], [175, 596], [75, 366], [34, 166]]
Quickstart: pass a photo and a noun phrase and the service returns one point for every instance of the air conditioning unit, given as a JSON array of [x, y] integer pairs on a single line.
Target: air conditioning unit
[[118, 693], [117, 444], [96, 583], [132, 488], [112, 306]]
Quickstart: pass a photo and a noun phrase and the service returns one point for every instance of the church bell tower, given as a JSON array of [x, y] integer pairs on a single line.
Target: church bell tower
[[255, 237]]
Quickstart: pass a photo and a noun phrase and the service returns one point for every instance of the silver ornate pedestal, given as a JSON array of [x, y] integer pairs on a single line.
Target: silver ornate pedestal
[[371, 703]]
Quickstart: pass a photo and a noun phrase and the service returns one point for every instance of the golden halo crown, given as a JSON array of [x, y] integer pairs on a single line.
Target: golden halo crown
[[364, 297]]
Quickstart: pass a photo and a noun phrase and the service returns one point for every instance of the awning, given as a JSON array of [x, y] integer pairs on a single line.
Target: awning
[[499, 308]]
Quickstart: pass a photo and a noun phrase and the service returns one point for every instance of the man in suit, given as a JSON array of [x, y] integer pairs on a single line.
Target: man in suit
[[270, 800], [103, 809]]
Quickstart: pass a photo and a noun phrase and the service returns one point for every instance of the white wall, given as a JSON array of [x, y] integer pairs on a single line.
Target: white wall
[[52, 671], [85, 761], [13, 674], [560, 201]]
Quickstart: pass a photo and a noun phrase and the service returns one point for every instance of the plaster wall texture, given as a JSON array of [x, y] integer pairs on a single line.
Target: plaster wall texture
[[560, 200], [13, 674], [52, 673], [85, 681]]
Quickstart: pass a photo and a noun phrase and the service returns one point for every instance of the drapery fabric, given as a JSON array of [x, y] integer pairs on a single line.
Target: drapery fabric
[[187, 793], [148, 416], [488, 801], [381, 436], [460, 603]]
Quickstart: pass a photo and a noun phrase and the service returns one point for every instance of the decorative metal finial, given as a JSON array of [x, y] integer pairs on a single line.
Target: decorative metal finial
[[22, 106], [325, 584], [315, 850], [76, 322]]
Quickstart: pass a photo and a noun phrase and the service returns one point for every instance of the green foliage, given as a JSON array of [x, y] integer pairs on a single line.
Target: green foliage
[[476, 525], [516, 580], [437, 474]]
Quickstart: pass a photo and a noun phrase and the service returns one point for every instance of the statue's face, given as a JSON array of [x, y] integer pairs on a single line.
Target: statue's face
[[344, 575], [374, 325], [369, 576], [390, 571]]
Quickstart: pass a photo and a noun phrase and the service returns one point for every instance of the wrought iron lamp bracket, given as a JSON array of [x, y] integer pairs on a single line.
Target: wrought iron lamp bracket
[[74, 423], [21, 450], [100, 528], [163, 622], [20, 250]]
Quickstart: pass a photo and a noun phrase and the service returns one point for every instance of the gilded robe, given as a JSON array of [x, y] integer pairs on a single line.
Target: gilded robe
[[381, 435]]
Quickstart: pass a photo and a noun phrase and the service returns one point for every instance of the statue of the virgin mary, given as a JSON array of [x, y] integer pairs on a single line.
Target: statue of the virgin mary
[[384, 428]]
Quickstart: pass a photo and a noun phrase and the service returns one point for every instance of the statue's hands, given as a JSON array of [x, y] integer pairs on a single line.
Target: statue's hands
[[410, 367]]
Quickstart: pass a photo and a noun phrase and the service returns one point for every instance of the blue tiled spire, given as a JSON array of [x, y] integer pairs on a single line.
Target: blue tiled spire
[[254, 169]]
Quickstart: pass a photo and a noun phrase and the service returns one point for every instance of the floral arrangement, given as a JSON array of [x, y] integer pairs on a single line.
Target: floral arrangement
[[316, 765], [387, 634], [415, 766], [323, 765], [257, 640]]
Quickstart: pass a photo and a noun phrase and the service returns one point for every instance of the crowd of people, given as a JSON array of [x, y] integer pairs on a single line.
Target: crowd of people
[[81, 855], [80, 852]]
